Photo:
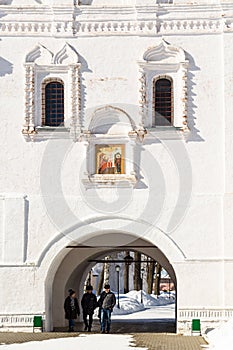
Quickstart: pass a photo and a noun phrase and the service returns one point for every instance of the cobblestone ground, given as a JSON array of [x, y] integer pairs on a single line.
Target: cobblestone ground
[[152, 341], [154, 336], [165, 341], [23, 337]]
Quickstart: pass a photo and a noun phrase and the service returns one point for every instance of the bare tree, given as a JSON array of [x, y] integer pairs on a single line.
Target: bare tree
[[101, 281], [158, 269], [137, 271], [150, 275], [104, 276], [126, 271], [106, 270]]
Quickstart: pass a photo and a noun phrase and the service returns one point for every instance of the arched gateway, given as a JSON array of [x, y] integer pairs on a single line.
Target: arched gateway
[[72, 263]]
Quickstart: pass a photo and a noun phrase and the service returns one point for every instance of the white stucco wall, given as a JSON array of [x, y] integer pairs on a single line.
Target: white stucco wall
[[194, 166]]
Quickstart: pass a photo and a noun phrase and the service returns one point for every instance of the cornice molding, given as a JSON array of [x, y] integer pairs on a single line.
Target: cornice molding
[[93, 21], [122, 28]]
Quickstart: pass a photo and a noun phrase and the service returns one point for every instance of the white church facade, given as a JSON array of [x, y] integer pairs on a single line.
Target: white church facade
[[116, 133]]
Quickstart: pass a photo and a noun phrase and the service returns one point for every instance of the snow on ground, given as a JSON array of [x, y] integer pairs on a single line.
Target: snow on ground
[[221, 338], [87, 342], [128, 305], [152, 300], [151, 313], [131, 302]]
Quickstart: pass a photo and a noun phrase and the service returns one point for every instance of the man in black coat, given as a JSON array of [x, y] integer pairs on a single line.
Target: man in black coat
[[71, 308], [89, 303], [106, 302]]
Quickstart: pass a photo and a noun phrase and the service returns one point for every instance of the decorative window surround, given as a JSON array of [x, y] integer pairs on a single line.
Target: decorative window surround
[[41, 65], [111, 126], [167, 61]]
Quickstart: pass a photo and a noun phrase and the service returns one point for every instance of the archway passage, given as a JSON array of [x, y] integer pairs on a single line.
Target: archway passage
[[74, 267]]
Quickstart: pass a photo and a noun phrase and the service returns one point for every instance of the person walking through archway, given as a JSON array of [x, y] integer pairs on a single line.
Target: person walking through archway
[[71, 308], [106, 302], [89, 304]]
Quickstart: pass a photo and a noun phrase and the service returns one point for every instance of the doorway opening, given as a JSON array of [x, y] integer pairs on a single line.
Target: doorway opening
[[140, 275]]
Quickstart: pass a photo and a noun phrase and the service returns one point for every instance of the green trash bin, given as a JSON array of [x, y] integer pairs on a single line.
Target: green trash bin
[[196, 327], [37, 323]]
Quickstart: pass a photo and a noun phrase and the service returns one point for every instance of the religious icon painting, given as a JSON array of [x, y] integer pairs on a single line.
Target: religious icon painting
[[110, 159]]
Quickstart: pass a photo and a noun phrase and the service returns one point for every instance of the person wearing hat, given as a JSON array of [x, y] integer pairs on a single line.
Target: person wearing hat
[[106, 302], [71, 308], [89, 303]]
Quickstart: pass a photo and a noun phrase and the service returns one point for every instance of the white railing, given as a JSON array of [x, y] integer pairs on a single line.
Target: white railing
[[133, 27], [17, 320], [205, 314]]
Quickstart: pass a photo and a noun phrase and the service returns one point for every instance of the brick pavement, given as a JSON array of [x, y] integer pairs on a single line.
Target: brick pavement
[[23, 337], [167, 341], [154, 336], [152, 341]]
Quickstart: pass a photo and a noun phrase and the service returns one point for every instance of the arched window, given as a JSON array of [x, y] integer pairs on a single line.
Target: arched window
[[53, 103], [163, 102]]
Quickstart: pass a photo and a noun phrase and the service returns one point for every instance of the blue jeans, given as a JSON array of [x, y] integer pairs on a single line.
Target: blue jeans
[[71, 324], [105, 319]]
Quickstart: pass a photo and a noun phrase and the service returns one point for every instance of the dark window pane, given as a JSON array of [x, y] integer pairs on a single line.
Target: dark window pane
[[54, 104], [163, 102]]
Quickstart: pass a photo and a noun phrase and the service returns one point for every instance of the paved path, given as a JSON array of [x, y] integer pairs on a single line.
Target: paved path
[[152, 341], [167, 341], [151, 335]]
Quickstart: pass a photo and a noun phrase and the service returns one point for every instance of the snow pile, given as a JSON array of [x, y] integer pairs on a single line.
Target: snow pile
[[128, 305], [152, 300], [221, 337], [131, 302]]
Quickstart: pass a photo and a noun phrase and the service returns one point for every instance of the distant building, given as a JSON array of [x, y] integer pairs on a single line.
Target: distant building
[[166, 285]]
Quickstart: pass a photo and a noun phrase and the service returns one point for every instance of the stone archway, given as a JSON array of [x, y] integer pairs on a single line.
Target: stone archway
[[73, 264]]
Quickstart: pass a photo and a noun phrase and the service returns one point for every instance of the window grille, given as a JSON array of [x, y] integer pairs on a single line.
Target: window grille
[[53, 104], [163, 102]]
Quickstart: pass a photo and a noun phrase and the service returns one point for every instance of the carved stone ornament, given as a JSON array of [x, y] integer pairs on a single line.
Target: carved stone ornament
[[110, 137], [164, 52], [41, 62], [164, 61]]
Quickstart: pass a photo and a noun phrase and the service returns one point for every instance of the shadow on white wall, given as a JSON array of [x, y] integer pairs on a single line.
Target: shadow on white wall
[[6, 67]]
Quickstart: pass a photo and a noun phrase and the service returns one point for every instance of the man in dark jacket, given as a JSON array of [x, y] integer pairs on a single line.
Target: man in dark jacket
[[89, 303], [71, 309], [106, 302]]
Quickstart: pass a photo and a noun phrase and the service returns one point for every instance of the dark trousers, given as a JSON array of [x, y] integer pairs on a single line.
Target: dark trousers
[[71, 325], [86, 321], [105, 319]]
